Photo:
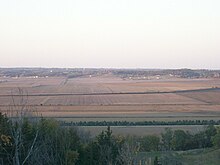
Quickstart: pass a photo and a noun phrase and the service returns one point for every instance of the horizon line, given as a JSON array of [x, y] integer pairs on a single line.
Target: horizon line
[[126, 68]]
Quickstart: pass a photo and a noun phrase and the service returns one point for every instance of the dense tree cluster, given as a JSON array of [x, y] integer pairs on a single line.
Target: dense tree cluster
[[183, 73], [180, 140], [46, 142]]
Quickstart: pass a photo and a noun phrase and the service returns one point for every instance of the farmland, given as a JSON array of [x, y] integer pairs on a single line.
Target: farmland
[[142, 130], [109, 97]]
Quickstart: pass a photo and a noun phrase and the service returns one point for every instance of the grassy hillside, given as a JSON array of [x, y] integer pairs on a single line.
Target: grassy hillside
[[206, 157], [199, 157]]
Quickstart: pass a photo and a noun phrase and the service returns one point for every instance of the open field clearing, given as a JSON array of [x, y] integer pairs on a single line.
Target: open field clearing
[[207, 97], [140, 130], [128, 112], [208, 156], [112, 98], [117, 99], [101, 84]]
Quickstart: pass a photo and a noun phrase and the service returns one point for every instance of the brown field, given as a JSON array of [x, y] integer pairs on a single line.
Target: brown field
[[141, 130], [82, 99]]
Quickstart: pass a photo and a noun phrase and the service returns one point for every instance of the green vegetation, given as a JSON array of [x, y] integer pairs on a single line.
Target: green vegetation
[[216, 138], [46, 142], [140, 123], [208, 156], [202, 156]]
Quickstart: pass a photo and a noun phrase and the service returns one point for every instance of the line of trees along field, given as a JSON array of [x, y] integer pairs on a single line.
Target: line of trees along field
[[140, 123], [46, 142]]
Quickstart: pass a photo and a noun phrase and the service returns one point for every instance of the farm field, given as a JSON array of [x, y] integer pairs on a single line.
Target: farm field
[[140, 130], [111, 98]]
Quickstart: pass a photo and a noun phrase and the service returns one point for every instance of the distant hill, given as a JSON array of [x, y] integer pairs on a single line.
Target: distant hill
[[123, 73]]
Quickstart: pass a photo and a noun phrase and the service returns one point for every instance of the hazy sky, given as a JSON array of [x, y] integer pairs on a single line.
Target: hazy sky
[[110, 33]]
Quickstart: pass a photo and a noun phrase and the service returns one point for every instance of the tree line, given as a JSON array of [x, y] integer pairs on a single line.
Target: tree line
[[140, 123], [46, 141]]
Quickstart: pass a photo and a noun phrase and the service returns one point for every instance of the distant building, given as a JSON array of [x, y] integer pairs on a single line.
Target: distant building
[[216, 75]]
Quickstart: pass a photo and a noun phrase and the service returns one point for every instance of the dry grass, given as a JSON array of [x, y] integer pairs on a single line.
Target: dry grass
[[140, 130]]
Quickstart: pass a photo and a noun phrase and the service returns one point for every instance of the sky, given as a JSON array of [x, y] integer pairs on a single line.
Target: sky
[[110, 33]]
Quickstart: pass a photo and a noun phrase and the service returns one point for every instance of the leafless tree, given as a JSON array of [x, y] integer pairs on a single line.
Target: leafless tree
[[19, 111], [127, 153]]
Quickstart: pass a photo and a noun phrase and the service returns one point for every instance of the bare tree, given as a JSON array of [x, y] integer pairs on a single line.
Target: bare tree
[[20, 112], [127, 153]]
